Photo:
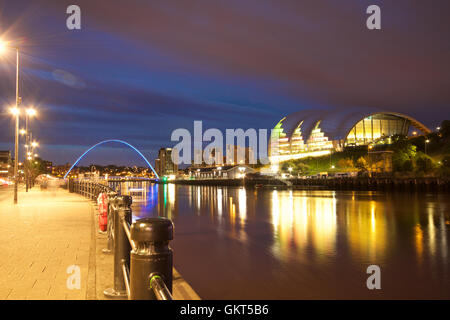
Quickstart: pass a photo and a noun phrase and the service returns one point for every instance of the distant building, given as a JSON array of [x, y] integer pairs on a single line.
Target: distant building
[[5, 163], [48, 166], [165, 165], [234, 155], [60, 171], [158, 166], [223, 172], [239, 155], [312, 133]]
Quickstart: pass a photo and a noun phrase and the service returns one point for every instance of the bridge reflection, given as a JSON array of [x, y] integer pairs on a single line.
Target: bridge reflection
[[311, 230]]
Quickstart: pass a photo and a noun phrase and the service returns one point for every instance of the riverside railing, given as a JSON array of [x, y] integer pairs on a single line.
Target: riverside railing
[[143, 260]]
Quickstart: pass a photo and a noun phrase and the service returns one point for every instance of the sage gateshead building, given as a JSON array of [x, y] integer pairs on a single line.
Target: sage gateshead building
[[311, 133]]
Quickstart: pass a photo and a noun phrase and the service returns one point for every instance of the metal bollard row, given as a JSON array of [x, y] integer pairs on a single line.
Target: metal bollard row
[[143, 260]]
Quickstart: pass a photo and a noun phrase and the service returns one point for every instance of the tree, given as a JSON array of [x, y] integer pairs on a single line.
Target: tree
[[407, 166], [404, 153], [445, 128], [424, 163], [302, 168], [446, 162], [361, 164], [345, 163]]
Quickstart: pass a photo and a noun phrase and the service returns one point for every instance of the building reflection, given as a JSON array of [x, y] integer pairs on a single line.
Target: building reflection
[[300, 220], [366, 228], [319, 226], [167, 201]]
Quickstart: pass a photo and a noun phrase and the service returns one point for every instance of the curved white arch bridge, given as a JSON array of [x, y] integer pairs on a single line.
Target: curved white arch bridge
[[112, 140]]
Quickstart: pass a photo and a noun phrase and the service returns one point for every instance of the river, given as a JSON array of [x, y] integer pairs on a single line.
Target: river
[[236, 243]]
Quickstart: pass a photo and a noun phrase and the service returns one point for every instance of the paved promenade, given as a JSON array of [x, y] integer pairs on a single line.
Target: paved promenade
[[46, 233], [40, 237]]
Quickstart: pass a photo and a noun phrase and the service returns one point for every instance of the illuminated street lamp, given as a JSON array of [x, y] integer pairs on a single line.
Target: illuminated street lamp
[[3, 46], [242, 175], [426, 142], [16, 112], [369, 147], [31, 112]]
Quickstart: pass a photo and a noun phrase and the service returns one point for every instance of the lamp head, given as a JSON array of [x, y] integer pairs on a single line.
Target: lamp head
[[3, 46], [31, 112], [14, 111]]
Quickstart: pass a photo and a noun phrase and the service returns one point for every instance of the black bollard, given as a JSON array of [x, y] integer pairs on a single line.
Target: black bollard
[[152, 258], [122, 246]]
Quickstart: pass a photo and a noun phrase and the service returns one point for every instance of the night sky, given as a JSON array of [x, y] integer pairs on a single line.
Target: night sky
[[137, 70]]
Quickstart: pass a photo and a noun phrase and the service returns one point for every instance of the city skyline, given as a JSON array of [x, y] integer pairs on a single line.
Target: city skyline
[[139, 81]]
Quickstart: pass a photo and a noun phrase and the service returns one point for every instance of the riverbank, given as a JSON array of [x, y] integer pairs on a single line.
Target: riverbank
[[358, 183]]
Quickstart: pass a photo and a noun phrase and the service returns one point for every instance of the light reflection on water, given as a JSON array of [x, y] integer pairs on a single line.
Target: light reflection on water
[[307, 244]]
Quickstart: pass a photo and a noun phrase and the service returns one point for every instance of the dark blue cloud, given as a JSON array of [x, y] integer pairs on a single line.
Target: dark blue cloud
[[138, 70]]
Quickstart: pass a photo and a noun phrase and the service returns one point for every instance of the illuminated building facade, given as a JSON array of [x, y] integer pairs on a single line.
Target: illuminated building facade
[[5, 163], [310, 133], [164, 164]]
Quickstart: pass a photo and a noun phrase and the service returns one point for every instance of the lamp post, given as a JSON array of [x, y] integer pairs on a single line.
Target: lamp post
[[15, 112], [29, 113], [369, 147], [242, 170], [426, 142]]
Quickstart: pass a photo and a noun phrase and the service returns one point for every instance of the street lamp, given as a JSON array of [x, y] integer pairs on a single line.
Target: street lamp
[[426, 142], [3, 46], [16, 112], [369, 147]]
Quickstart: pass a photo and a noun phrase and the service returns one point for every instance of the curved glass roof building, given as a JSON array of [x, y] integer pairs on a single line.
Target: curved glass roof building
[[317, 132]]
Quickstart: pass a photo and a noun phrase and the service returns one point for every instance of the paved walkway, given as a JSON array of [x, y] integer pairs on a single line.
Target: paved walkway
[[44, 236], [40, 238]]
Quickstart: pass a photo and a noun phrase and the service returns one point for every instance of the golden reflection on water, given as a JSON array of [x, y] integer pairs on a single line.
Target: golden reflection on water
[[308, 224], [300, 221]]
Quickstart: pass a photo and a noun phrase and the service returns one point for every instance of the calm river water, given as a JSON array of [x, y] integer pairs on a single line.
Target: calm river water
[[236, 243]]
